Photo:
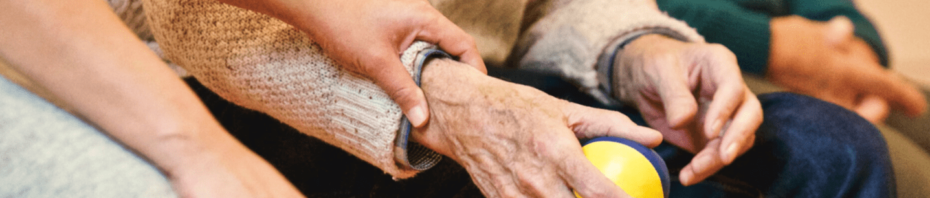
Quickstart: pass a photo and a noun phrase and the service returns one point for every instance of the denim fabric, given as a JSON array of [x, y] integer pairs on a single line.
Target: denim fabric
[[805, 148]]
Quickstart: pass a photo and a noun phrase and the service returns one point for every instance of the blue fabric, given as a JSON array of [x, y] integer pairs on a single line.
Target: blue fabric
[[805, 147]]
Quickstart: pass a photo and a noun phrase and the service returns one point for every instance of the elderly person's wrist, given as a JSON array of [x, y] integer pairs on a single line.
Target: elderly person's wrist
[[624, 65], [444, 80]]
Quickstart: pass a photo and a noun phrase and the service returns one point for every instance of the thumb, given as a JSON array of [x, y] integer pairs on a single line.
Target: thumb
[[839, 30], [393, 77], [589, 122]]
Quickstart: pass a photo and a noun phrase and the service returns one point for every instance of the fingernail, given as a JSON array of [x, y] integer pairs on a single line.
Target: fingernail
[[416, 116], [731, 152]]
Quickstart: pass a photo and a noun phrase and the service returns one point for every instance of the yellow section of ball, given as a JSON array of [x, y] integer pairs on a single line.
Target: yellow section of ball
[[626, 167]]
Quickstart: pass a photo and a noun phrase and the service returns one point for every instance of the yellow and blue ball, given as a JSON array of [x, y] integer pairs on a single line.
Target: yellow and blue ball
[[638, 170]]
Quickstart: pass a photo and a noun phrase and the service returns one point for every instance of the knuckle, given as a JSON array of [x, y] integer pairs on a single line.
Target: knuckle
[[371, 66], [596, 191], [404, 94], [722, 50]]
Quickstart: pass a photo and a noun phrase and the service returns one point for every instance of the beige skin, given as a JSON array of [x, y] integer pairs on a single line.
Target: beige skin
[[825, 60], [517, 141], [670, 81], [80, 51], [366, 36], [514, 140]]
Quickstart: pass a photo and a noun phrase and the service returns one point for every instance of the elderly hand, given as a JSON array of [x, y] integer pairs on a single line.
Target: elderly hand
[[367, 36], [667, 78], [826, 61], [516, 141]]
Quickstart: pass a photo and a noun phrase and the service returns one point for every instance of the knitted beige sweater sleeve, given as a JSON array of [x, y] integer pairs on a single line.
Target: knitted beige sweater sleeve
[[262, 63], [575, 38]]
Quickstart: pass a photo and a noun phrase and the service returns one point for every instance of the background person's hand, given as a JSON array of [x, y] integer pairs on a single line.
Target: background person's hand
[[825, 60], [516, 141], [691, 92], [367, 36]]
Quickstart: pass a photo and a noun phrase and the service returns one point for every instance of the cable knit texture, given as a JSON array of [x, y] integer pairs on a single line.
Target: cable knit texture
[[264, 64]]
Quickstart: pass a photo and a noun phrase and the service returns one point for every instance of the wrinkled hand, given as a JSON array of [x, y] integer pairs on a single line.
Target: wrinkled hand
[[691, 92], [516, 141], [368, 36], [826, 61]]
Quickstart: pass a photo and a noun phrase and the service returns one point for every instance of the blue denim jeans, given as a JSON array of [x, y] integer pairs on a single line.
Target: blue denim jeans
[[804, 148]]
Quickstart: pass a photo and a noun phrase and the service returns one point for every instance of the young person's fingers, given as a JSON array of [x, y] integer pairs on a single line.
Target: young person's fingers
[[390, 74], [452, 39]]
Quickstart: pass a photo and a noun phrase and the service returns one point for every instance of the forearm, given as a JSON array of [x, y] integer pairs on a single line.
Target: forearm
[[81, 53]]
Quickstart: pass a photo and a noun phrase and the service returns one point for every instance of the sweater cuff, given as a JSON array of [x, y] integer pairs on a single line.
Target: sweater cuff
[[747, 36], [409, 154]]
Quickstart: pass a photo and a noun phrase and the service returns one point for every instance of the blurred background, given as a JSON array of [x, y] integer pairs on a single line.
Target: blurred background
[[904, 26]]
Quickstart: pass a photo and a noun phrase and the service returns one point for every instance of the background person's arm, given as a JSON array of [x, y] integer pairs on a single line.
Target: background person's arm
[[81, 52], [744, 28], [839, 63]]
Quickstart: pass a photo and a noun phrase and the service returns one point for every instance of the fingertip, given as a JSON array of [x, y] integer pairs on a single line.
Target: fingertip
[[474, 59], [686, 176], [653, 138], [418, 115]]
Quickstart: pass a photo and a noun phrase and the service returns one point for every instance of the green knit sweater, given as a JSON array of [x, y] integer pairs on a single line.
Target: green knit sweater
[[743, 25]]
